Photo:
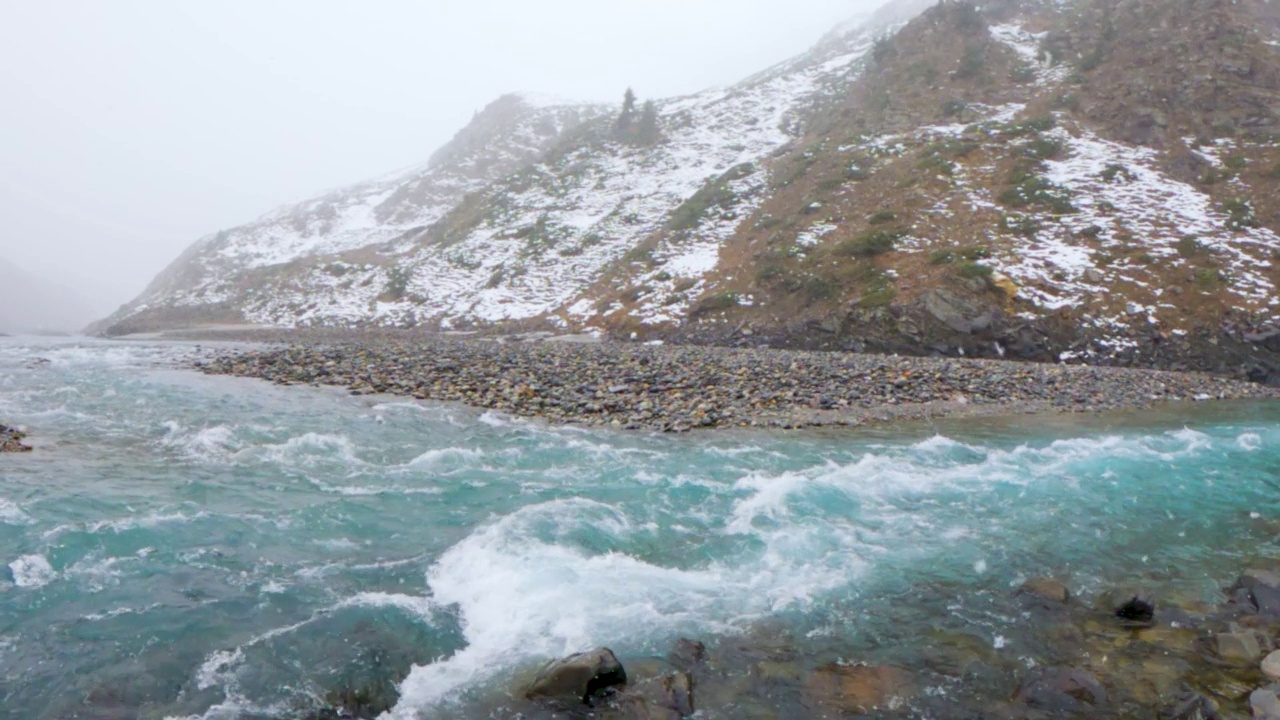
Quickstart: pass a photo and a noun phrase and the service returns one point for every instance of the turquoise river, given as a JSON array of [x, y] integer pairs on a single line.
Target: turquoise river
[[185, 546]]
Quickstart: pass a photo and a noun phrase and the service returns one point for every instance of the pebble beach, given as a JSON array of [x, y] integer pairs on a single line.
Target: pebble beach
[[680, 388]]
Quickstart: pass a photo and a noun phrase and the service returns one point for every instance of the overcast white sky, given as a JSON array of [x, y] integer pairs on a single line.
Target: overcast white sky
[[132, 127]]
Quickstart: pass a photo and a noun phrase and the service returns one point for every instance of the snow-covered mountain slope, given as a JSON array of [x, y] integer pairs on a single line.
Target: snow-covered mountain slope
[[1038, 177], [224, 276]]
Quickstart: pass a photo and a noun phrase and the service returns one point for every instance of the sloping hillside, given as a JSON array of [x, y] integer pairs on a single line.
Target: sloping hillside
[[1092, 180]]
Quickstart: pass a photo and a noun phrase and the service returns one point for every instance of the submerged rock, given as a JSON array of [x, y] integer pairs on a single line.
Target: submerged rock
[[1061, 690], [1138, 609], [1271, 665], [1238, 648], [661, 698], [1264, 703], [1193, 707], [11, 440], [687, 654], [1046, 589], [860, 688], [1260, 589], [579, 676]]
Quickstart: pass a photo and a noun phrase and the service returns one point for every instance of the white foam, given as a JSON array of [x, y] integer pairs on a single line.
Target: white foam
[[12, 514], [1249, 441], [32, 571], [440, 455], [525, 591]]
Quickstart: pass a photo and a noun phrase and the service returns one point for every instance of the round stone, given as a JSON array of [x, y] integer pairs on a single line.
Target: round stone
[[1271, 665]]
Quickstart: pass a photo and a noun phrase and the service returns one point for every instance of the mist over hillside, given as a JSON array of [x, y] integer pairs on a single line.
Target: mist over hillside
[[32, 304]]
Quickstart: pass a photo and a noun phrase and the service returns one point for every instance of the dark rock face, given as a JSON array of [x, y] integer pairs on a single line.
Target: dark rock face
[[11, 440], [578, 677], [1061, 690]]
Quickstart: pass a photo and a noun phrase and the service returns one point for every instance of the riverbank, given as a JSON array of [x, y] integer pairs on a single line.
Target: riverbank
[[678, 388]]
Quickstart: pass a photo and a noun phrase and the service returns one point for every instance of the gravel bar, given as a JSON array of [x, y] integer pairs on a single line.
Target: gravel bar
[[679, 388]]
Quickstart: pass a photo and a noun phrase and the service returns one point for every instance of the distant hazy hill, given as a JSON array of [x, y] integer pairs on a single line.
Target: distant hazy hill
[[1080, 179], [30, 304]]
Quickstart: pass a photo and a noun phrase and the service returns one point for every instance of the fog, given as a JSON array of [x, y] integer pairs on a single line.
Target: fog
[[131, 128]]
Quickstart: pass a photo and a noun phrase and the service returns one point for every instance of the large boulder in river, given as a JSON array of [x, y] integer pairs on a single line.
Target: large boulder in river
[[578, 677]]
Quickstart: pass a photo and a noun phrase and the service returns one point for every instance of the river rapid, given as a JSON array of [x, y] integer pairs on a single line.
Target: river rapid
[[187, 546]]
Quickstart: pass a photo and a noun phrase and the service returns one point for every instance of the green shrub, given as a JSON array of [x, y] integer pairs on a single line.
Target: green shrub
[[1235, 162], [1026, 188], [951, 108], [1043, 148], [935, 161], [969, 270], [1208, 278], [941, 257], [715, 193], [819, 288], [1023, 74], [1114, 171], [1067, 101], [1024, 225], [880, 295], [1189, 247], [769, 273], [870, 244], [1240, 214], [1274, 172], [1040, 124], [975, 252], [716, 303], [882, 49], [972, 62], [882, 217]]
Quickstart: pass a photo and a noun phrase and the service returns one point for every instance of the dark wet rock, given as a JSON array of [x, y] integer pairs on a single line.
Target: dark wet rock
[[1138, 609], [579, 676], [659, 698], [1260, 589], [1045, 589], [1237, 648], [860, 688], [1264, 703], [687, 654], [1061, 690], [1192, 707], [11, 440]]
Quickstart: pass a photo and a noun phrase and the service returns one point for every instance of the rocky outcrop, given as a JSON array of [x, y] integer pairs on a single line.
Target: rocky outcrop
[[11, 440]]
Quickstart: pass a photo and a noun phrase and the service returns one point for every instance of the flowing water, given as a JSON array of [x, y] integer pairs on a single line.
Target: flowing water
[[189, 546]]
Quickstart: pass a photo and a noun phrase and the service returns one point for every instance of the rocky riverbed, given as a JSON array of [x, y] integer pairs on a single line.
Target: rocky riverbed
[[678, 388], [1121, 653], [11, 440]]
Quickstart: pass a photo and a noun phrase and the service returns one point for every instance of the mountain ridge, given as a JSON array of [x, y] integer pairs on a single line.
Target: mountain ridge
[[1024, 178]]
